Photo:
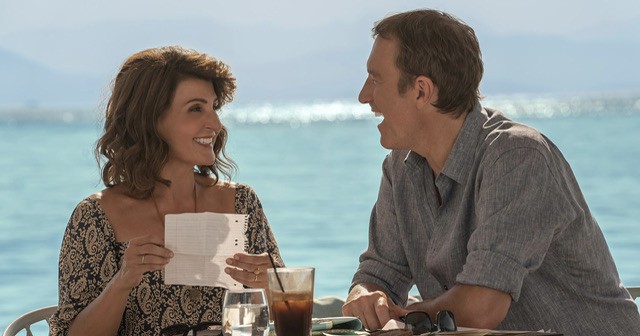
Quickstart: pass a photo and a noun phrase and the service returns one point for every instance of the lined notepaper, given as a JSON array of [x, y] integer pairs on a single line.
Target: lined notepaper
[[201, 242]]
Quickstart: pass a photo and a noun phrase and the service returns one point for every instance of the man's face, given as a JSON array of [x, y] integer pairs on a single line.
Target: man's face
[[380, 91]]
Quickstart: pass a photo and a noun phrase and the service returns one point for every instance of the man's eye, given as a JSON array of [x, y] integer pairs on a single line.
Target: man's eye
[[195, 108]]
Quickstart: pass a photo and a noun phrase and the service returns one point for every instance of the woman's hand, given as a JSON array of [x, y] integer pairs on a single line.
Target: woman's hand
[[249, 269], [143, 254]]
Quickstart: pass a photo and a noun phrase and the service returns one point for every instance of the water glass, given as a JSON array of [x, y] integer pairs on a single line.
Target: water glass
[[245, 313]]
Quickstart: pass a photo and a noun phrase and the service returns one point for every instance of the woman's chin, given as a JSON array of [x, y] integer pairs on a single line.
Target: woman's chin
[[209, 162]]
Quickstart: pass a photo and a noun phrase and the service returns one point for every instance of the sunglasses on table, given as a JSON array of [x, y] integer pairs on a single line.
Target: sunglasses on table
[[419, 322], [183, 329]]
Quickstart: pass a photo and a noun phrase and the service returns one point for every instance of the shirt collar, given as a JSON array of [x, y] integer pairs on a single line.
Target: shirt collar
[[462, 154], [414, 159]]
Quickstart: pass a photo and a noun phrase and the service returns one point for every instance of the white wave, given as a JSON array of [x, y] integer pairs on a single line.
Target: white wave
[[342, 110], [554, 107], [297, 112], [511, 106]]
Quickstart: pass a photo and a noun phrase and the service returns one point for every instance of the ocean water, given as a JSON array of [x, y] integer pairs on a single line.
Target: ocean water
[[316, 168]]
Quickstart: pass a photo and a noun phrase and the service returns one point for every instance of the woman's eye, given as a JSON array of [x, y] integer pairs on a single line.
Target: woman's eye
[[195, 108]]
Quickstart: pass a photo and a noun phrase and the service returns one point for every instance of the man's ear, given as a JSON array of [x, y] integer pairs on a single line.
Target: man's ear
[[427, 91]]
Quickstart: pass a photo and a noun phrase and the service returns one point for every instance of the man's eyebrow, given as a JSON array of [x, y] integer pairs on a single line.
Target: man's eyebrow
[[372, 72]]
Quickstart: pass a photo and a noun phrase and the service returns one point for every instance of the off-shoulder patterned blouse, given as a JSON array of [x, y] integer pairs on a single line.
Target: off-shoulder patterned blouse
[[90, 256]]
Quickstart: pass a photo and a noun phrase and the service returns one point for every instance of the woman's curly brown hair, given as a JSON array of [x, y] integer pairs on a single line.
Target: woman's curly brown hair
[[131, 148]]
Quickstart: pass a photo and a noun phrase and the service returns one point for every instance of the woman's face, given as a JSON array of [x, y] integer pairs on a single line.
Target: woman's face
[[190, 125]]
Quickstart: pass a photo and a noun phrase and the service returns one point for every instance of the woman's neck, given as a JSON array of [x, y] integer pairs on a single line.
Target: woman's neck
[[181, 195]]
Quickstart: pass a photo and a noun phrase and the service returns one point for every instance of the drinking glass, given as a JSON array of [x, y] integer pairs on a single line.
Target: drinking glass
[[291, 295], [245, 313]]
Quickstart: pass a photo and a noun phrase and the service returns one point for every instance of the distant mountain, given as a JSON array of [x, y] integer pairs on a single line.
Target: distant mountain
[[315, 63], [25, 82], [325, 75], [534, 64]]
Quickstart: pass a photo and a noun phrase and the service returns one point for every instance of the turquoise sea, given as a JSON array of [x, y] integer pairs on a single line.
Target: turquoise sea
[[316, 167]]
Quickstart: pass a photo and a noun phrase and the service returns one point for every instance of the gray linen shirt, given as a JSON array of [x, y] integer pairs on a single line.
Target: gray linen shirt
[[512, 218]]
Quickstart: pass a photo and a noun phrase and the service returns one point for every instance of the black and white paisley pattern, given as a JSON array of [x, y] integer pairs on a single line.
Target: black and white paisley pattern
[[90, 256]]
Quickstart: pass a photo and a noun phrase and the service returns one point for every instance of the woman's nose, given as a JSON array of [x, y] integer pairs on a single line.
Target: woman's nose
[[213, 121]]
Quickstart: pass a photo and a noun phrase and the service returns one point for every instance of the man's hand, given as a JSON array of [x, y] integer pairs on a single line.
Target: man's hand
[[371, 305]]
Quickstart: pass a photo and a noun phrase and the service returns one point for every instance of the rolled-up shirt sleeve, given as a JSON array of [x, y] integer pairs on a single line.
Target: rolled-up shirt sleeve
[[384, 262], [520, 208]]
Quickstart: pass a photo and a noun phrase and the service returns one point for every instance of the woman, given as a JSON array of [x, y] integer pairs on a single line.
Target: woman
[[162, 152]]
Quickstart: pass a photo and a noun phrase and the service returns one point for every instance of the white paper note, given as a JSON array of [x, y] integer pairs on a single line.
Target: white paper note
[[201, 242]]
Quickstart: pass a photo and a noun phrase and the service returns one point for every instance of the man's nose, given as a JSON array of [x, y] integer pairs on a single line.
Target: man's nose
[[365, 93]]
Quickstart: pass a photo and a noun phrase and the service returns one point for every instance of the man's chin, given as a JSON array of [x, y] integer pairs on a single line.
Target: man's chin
[[386, 143], [390, 144]]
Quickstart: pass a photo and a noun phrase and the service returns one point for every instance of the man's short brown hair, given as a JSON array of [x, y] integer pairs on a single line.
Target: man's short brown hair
[[439, 46]]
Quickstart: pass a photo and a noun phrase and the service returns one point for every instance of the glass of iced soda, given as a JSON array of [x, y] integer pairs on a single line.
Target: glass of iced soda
[[291, 299]]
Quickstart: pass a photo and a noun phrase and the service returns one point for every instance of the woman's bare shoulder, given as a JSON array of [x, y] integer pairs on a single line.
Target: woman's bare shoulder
[[220, 196], [116, 199], [227, 185]]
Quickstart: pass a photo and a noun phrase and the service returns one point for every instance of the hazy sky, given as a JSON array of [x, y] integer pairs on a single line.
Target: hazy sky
[[577, 19], [566, 17], [94, 37]]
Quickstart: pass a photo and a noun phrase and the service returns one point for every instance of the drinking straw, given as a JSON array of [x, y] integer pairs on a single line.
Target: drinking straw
[[273, 264], [275, 271]]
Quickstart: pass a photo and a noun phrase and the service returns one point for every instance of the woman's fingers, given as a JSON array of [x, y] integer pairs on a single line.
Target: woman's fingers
[[249, 279], [249, 269], [143, 240], [143, 254], [154, 260], [152, 252], [253, 263], [148, 250], [244, 276]]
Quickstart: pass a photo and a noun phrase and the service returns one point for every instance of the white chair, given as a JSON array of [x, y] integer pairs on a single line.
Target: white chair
[[634, 291], [25, 321]]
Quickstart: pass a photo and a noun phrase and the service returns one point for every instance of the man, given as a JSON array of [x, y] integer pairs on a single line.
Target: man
[[481, 213]]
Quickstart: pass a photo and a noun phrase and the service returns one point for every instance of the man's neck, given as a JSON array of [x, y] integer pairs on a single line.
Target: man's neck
[[438, 140]]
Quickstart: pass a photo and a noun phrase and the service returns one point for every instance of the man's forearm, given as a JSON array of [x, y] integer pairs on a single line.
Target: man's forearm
[[472, 306]]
